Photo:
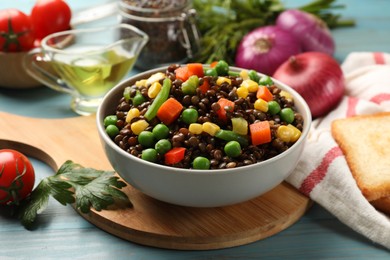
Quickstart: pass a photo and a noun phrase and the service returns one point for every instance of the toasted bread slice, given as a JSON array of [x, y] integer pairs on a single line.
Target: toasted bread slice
[[382, 204], [365, 142]]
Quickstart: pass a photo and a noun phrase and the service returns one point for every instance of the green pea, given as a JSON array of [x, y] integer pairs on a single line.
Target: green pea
[[211, 72], [287, 115], [201, 163], [273, 107], [232, 149], [253, 75], [110, 120], [222, 68], [189, 115], [149, 154], [266, 81], [160, 131], [163, 146], [112, 130], [138, 99], [146, 139]]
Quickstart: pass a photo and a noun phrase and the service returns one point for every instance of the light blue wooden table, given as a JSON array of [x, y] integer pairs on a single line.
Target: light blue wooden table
[[63, 234]]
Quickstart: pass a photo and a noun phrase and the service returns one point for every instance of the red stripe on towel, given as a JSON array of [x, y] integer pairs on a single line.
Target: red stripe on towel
[[379, 58], [379, 98], [319, 173], [351, 106]]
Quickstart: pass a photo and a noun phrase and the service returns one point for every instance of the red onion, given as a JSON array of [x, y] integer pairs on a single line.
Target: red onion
[[265, 48], [317, 77], [313, 33]]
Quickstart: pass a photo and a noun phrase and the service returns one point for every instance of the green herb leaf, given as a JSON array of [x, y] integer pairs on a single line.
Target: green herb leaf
[[73, 183], [99, 193], [35, 203], [223, 23]]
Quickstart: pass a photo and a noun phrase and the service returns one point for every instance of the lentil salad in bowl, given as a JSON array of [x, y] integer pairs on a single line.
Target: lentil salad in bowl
[[203, 135]]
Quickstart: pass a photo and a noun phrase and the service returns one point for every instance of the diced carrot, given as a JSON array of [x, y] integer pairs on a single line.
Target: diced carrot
[[223, 103], [264, 93], [205, 86], [175, 155], [260, 132], [182, 73], [195, 69], [213, 64], [169, 111]]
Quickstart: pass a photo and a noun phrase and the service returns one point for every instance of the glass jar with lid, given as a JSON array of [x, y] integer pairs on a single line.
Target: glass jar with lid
[[170, 25]]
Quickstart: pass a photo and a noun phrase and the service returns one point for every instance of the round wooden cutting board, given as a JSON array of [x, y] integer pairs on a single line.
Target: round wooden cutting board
[[152, 222]]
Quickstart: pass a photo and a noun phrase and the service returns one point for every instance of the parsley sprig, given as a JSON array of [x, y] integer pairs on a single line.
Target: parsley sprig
[[73, 184]]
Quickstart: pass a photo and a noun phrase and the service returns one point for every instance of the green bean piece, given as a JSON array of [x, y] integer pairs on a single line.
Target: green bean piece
[[112, 130], [161, 97], [201, 163], [163, 146], [190, 85], [211, 72], [273, 107], [160, 131], [146, 139], [126, 93], [229, 135], [287, 115], [233, 73], [232, 149], [110, 120], [149, 154], [189, 115]]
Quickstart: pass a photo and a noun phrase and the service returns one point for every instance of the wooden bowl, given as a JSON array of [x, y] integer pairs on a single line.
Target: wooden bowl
[[12, 73]]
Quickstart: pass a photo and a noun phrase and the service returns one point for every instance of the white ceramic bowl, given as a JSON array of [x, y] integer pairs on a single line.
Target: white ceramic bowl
[[199, 188]]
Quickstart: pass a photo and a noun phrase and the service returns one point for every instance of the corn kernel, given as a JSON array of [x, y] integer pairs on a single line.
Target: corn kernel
[[251, 85], [195, 128], [221, 80], [155, 77], [284, 133], [133, 113], [240, 125], [140, 83], [139, 126], [261, 104], [154, 89], [210, 128], [286, 95], [297, 133], [244, 74], [242, 92]]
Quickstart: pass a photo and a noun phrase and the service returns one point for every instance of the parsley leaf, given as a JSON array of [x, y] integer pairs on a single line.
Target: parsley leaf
[[73, 183]]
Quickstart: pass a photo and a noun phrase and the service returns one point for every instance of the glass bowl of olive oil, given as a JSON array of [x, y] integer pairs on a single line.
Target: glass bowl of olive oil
[[86, 63]]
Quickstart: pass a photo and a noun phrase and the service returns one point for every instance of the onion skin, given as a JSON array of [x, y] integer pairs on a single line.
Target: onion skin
[[264, 49], [317, 77], [312, 32]]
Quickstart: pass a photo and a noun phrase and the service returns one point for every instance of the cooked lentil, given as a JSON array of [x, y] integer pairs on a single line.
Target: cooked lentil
[[206, 104]]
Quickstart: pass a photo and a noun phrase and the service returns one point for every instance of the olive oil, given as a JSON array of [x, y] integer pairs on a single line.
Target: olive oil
[[92, 75]]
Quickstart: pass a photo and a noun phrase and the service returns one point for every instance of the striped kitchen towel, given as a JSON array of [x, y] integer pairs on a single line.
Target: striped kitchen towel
[[323, 173]]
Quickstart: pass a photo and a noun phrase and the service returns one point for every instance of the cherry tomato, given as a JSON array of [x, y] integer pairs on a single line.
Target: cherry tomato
[[17, 177], [50, 16], [15, 31]]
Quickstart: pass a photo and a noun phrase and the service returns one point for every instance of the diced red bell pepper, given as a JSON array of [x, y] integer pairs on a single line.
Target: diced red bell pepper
[[175, 155]]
